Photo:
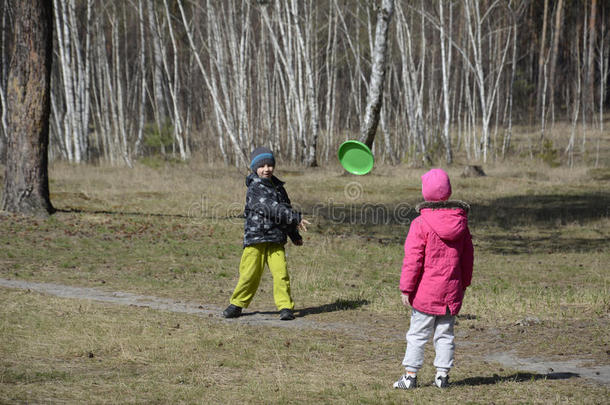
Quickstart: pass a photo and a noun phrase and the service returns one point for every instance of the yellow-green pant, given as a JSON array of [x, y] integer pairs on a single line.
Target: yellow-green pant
[[251, 267]]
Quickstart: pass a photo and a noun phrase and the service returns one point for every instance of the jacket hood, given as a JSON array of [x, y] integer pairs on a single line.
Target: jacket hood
[[448, 219], [435, 185]]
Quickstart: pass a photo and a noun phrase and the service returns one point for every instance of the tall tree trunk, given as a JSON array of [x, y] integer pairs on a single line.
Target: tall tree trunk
[[378, 70], [142, 112], [4, 60], [603, 65], [445, 63], [26, 182], [554, 51], [542, 59], [160, 111], [589, 81]]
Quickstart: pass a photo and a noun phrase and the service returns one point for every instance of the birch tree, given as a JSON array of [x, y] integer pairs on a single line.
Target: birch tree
[[221, 113], [74, 64], [378, 72], [158, 101], [542, 59], [413, 80], [575, 105], [590, 68], [174, 86], [554, 53], [445, 63], [487, 78]]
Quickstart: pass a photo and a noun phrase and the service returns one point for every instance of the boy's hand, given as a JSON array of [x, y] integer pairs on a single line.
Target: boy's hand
[[302, 226], [405, 300], [298, 242]]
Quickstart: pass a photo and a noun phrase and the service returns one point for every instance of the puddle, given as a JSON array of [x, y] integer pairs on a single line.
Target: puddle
[[553, 369]]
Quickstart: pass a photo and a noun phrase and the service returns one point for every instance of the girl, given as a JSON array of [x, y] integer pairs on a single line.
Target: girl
[[436, 270]]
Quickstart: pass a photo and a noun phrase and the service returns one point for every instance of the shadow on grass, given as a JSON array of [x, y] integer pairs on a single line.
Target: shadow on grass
[[505, 212], [338, 305], [549, 210], [70, 210], [518, 377], [516, 244], [388, 224]]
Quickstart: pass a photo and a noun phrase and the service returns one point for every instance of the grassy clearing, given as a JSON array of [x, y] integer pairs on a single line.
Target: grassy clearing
[[541, 239]]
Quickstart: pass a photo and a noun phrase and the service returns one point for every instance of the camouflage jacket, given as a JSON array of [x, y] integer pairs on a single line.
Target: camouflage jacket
[[269, 215]]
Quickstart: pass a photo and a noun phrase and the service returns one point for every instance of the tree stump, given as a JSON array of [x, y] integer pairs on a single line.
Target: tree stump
[[473, 171]]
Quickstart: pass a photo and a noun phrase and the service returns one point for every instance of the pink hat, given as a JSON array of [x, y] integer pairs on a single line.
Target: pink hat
[[435, 185]]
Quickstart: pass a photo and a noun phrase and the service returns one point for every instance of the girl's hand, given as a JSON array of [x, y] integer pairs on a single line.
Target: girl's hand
[[302, 226], [405, 300]]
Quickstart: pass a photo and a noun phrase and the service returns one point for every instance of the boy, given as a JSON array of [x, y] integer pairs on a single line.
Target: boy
[[269, 220]]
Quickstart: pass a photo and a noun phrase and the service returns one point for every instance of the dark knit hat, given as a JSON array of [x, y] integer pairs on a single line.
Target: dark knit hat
[[261, 156]]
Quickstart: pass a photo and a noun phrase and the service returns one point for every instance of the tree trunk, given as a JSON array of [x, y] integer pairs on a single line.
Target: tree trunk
[[556, 35], [4, 58], [590, 84], [375, 96], [26, 182], [542, 59], [445, 63], [159, 108]]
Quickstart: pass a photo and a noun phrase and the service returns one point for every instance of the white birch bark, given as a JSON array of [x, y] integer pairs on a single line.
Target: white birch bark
[[74, 65], [285, 53], [413, 81], [487, 95], [445, 63], [357, 76], [115, 80], [231, 133], [143, 86], [157, 68], [63, 40], [378, 72], [331, 81], [307, 55], [603, 52], [174, 84], [575, 111], [509, 110], [2, 121]]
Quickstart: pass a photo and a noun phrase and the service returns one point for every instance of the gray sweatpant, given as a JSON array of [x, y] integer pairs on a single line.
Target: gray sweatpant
[[422, 327]]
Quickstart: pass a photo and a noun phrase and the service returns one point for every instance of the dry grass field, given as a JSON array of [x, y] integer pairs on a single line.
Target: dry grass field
[[540, 291]]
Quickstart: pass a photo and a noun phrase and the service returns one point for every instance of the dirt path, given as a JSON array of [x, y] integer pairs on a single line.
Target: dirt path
[[552, 369]]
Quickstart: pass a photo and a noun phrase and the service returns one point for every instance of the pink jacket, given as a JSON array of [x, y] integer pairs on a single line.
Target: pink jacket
[[437, 266]]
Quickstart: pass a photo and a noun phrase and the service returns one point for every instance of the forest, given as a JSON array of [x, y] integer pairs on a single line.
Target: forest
[[125, 131], [182, 78]]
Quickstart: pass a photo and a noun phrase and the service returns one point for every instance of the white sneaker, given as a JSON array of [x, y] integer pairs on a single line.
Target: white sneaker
[[441, 380], [406, 382]]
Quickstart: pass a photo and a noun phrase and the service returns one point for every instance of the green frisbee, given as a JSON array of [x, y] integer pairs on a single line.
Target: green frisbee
[[355, 157]]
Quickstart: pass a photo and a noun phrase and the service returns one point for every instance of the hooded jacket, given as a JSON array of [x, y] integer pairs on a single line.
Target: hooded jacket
[[269, 215], [437, 266]]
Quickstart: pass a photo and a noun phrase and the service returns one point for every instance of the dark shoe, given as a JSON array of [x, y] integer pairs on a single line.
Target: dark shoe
[[232, 311], [286, 314], [406, 382], [441, 381]]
